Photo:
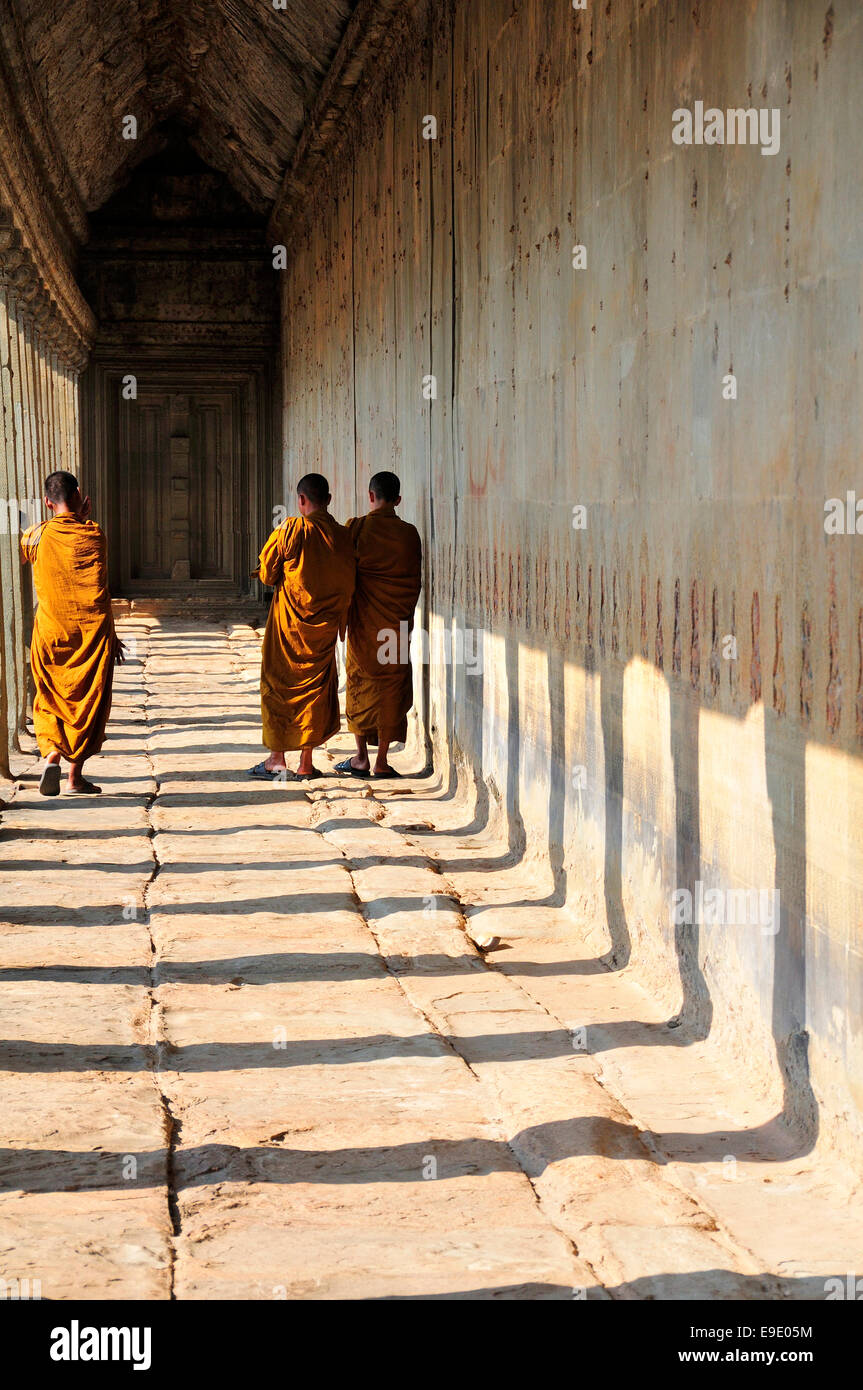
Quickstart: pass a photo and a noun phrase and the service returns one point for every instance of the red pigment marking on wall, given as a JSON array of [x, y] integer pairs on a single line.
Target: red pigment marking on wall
[[602, 610], [675, 640], [659, 649], [644, 615], [733, 667], [615, 619], [778, 660], [567, 608], [695, 638], [518, 591], [714, 669], [834, 681], [755, 659], [589, 634], [537, 592], [806, 682]]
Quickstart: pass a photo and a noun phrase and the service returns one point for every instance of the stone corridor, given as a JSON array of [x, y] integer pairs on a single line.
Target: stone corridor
[[251, 1049]]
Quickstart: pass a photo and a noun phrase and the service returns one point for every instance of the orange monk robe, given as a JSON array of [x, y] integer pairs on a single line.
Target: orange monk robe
[[73, 643], [310, 562], [389, 578]]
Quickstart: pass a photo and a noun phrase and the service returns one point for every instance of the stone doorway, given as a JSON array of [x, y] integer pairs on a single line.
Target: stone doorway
[[175, 466], [179, 399], [181, 471]]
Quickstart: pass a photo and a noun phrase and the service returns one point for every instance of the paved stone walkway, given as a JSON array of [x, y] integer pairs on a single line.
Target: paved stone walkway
[[251, 1051]]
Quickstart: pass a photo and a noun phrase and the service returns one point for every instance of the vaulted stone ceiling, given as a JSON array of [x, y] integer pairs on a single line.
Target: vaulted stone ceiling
[[238, 77]]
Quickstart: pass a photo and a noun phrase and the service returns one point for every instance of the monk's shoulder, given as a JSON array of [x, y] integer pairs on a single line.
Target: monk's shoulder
[[30, 539], [410, 532], [337, 529], [290, 533], [33, 533]]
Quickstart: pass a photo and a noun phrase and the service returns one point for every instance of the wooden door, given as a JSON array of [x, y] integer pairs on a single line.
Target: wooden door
[[176, 459]]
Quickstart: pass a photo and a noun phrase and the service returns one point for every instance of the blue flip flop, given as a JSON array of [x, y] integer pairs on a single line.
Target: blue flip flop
[[347, 767], [262, 772]]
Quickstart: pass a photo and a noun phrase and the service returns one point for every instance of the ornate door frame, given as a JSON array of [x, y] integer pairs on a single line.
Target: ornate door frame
[[249, 377]]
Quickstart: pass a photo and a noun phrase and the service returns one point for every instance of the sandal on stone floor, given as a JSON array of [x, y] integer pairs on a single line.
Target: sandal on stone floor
[[49, 782], [86, 789], [347, 766], [262, 772]]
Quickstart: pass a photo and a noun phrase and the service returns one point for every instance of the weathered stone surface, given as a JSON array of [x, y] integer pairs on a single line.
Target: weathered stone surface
[[334, 922], [239, 76], [666, 695]]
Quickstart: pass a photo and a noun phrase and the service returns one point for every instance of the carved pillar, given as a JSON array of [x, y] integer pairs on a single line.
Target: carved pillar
[[43, 348], [8, 634], [180, 490], [22, 290]]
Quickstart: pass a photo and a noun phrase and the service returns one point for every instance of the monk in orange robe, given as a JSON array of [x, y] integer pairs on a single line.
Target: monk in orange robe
[[74, 646], [310, 561], [389, 579]]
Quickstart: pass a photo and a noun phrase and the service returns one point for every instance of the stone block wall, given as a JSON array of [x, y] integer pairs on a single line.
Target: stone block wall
[[38, 392], [671, 696]]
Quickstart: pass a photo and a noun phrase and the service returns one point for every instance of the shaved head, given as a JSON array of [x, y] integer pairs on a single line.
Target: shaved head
[[61, 487], [385, 487], [315, 488]]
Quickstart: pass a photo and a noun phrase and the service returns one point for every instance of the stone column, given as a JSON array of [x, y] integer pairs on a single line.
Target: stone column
[[43, 348], [27, 306], [8, 641]]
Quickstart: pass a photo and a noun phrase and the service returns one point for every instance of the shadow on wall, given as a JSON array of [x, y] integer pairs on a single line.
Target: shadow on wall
[[785, 771]]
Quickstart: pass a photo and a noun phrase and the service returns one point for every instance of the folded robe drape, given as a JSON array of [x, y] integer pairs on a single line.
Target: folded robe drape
[[389, 578], [72, 648], [309, 560]]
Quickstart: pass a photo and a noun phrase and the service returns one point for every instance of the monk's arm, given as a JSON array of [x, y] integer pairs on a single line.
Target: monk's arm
[[269, 569], [29, 544], [417, 567], [118, 648], [281, 546]]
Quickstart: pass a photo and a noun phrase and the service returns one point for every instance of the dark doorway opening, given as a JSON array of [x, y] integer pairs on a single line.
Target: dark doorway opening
[[180, 400]]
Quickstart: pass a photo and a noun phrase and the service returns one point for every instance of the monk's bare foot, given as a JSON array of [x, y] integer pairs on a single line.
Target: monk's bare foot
[[386, 771], [306, 767], [361, 764], [81, 786], [275, 762]]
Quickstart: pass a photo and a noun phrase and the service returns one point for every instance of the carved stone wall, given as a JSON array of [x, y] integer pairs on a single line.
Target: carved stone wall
[[669, 700], [45, 332], [38, 393]]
